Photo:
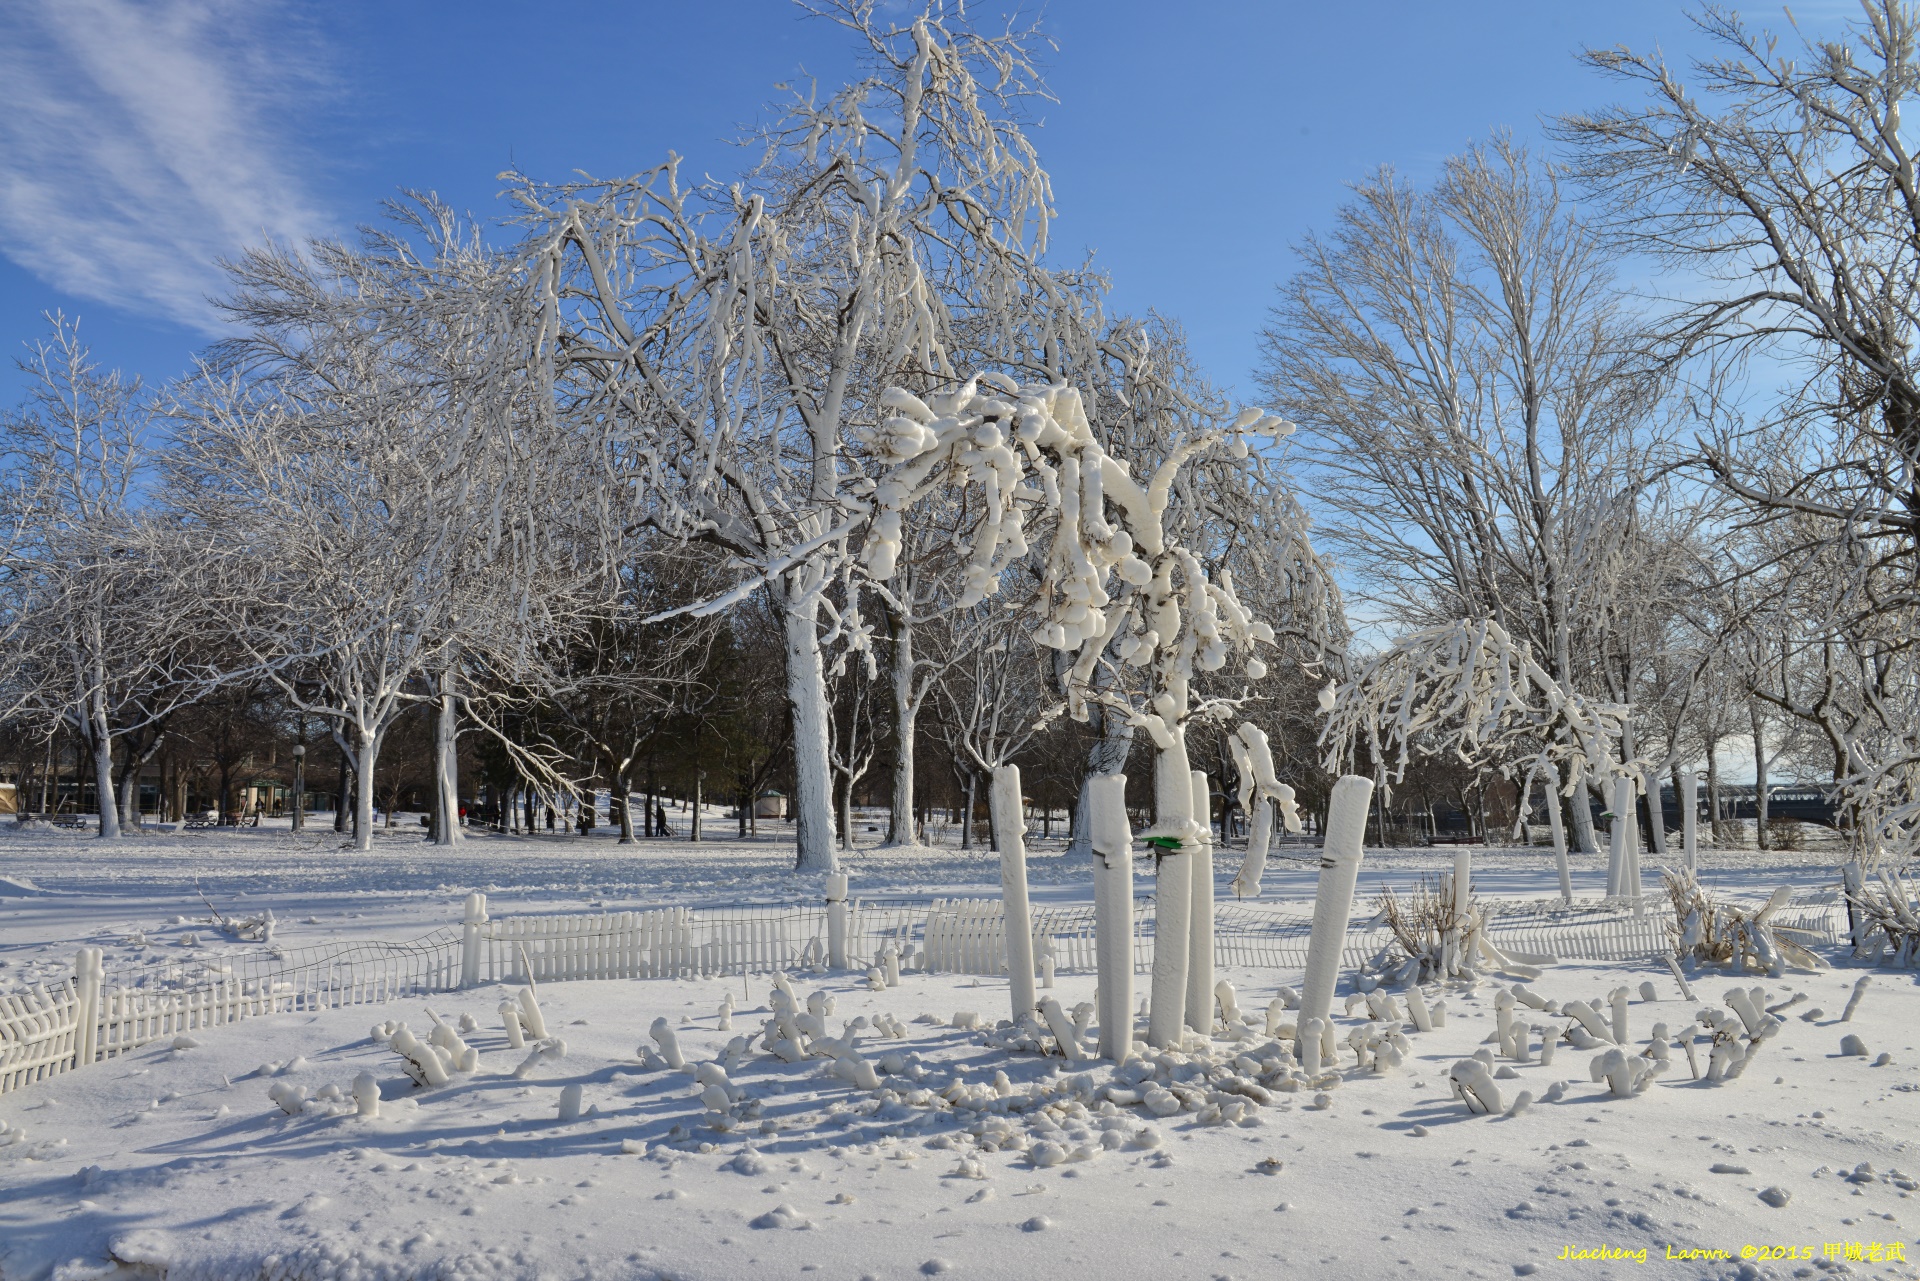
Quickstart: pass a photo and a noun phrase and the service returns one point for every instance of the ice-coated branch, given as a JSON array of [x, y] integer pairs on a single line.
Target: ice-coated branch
[[1468, 688]]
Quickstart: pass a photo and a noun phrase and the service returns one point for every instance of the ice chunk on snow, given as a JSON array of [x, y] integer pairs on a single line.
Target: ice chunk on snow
[[781, 1216]]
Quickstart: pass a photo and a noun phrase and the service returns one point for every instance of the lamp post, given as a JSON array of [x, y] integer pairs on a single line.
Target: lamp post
[[300, 787]]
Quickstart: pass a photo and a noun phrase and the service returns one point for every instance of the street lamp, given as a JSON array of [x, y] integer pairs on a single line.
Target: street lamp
[[300, 787]]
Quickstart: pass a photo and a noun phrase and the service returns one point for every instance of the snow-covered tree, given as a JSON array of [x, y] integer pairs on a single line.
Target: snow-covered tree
[[1114, 592], [1472, 397], [103, 637], [1471, 690], [371, 482], [1777, 173], [729, 338]]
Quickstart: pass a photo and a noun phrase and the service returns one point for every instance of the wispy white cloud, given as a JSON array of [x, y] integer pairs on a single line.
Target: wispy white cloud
[[140, 142]]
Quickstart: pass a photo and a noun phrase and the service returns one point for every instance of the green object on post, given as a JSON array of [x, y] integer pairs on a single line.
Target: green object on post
[[1165, 842]]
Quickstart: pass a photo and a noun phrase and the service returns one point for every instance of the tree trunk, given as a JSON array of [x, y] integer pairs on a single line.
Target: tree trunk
[[446, 765], [966, 814], [130, 798], [1582, 816], [367, 755], [1762, 837], [623, 790], [906, 714], [813, 776], [653, 799], [845, 790], [109, 807], [1107, 756], [343, 793], [1713, 795]]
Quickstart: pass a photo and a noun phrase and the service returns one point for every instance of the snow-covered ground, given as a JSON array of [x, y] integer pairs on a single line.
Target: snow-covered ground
[[175, 1162]]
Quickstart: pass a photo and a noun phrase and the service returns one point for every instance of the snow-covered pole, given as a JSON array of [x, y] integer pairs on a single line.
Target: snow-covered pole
[[1462, 898], [1617, 839], [1112, 844], [837, 920], [1630, 854], [1333, 901], [1200, 928], [1559, 828], [89, 973], [1009, 829], [475, 917], [1689, 802], [1173, 895]]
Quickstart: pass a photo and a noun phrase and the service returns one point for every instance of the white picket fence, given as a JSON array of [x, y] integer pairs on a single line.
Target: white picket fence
[[39, 1034], [82, 1020]]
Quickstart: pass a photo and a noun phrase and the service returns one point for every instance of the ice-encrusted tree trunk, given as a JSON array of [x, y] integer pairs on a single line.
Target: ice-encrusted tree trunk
[[1462, 367], [727, 339], [911, 679], [444, 690]]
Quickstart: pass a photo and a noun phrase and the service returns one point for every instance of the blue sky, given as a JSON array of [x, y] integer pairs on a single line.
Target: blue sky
[[1192, 143]]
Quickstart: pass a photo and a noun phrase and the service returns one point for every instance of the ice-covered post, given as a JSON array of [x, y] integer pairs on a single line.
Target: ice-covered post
[[1630, 860], [1689, 802], [1622, 803], [1462, 904], [1559, 829], [837, 920], [1200, 928], [1173, 893], [1333, 901], [89, 972], [476, 916], [1112, 843], [1010, 833]]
